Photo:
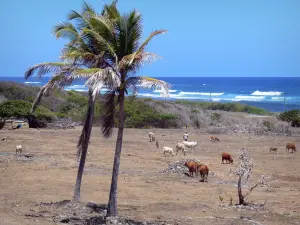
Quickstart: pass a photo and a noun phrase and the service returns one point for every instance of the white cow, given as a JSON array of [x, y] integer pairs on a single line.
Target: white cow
[[19, 149], [151, 136], [168, 151], [190, 144], [180, 147]]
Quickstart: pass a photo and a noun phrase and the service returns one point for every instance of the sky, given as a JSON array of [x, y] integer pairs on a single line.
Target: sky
[[232, 38]]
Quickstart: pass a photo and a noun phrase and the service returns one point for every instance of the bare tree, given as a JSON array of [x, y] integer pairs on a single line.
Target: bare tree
[[244, 173]]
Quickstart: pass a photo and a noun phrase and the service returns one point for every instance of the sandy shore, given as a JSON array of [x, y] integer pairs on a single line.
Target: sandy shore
[[145, 193]]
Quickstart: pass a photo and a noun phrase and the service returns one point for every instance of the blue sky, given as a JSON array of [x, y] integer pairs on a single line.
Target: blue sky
[[205, 38]]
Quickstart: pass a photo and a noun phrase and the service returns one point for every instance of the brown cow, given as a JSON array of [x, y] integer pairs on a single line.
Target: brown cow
[[192, 166], [214, 139], [226, 157], [273, 149], [290, 146], [203, 170]]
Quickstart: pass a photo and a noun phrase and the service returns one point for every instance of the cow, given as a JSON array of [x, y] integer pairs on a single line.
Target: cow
[[226, 157], [290, 146]]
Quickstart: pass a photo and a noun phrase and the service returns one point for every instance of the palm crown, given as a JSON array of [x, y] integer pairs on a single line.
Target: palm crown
[[105, 50]]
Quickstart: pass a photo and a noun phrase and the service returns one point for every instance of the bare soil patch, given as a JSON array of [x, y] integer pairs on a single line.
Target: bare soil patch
[[35, 187]]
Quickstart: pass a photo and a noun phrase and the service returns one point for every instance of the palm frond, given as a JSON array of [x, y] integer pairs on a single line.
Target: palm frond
[[103, 26], [108, 114], [148, 83], [103, 78], [59, 80], [111, 11], [133, 61], [136, 59], [88, 9], [77, 55], [66, 30], [87, 33], [44, 68], [151, 36]]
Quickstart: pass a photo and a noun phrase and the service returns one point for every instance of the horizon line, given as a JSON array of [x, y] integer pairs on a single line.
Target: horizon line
[[186, 76]]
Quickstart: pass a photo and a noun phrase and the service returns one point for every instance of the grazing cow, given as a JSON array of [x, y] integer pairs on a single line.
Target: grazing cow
[[203, 170], [290, 146], [226, 157], [168, 151], [192, 166], [190, 145], [19, 149], [214, 139], [180, 147], [273, 149], [151, 136]]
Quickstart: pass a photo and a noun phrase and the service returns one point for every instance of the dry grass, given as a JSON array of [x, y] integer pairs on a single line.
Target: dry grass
[[145, 193]]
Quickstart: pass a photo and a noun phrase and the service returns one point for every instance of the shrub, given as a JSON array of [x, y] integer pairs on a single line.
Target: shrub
[[229, 107], [21, 109], [215, 117], [268, 124], [291, 116]]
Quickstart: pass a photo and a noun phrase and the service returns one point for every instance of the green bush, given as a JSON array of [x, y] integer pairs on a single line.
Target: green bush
[[21, 109], [140, 115], [268, 124], [229, 107], [215, 117], [291, 116]]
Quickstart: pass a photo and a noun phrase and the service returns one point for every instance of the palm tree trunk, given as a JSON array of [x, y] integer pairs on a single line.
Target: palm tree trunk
[[241, 197], [112, 209], [86, 133], [37, 100]]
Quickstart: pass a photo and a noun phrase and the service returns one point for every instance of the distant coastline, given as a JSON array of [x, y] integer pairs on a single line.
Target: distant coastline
[[273, 94]]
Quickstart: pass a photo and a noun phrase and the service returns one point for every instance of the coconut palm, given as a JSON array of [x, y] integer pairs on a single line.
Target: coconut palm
[[75, 55], [120, 36], [105, 50]]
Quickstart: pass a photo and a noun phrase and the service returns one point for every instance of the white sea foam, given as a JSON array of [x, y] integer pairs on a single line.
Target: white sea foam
[[80, 90], [32, 82], [159, 91], [174, 96], [200, 93], [248, 98], [277, 98], [266, 93], [76, 86]]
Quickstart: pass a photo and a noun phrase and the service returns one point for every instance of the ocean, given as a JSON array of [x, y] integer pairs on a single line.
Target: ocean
[[275, 94]]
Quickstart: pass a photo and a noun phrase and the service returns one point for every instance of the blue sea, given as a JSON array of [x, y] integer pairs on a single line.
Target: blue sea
[[274, 94]]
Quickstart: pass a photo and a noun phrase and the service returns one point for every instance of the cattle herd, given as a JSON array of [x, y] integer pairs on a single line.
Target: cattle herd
[[195, 167]]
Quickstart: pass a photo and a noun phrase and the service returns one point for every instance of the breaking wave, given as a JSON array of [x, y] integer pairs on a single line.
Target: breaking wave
[[266, 93], [200, 93]]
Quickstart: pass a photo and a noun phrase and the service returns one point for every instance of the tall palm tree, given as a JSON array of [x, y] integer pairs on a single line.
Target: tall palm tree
[[105, 50], [121, 36], [76, 55]]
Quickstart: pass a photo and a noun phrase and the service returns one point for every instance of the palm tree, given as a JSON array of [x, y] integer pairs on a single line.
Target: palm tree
[[76, 54], [105, 50], [120, 35]]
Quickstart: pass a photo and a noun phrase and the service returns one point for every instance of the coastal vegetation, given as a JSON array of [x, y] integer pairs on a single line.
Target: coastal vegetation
[[140, 113], [291, 116]]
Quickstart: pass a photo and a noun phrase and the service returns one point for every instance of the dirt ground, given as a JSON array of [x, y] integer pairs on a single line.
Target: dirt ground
[[145, 192]]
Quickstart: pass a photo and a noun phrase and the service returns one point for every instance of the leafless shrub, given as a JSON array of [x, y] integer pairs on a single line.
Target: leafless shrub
[[244, 173], [215, 130], [281, 128]]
